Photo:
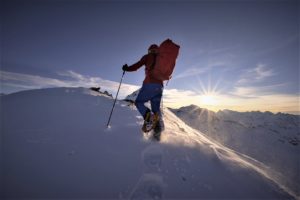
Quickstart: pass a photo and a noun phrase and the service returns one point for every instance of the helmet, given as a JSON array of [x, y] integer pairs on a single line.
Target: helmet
[[153, 48]]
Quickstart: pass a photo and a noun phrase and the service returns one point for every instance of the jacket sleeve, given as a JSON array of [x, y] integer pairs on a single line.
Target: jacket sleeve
[[138, 65]]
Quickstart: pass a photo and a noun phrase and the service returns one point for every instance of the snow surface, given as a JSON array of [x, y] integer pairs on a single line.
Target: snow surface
[[273, 139], [55, 144]]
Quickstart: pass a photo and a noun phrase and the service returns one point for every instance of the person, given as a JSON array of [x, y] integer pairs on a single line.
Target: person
[[151, 90]]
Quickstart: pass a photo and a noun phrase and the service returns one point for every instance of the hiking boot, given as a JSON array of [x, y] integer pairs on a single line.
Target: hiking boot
[[147, 126], [155, 120], [158, 127], [157, 131]]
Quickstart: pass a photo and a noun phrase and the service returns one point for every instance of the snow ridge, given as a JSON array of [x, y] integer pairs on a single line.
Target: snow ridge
[[271, 139], [56, 145]]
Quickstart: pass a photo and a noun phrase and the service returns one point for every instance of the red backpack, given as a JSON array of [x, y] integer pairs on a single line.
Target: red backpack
[[165, 60]]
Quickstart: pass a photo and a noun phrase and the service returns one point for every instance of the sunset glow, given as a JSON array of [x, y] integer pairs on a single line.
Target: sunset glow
[[209, 100]]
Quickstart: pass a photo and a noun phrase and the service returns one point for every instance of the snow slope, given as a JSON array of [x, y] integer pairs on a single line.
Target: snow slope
[[55, 145], [273, 139]]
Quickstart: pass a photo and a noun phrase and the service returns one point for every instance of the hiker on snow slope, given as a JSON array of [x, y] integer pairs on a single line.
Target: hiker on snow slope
[[152, 88]]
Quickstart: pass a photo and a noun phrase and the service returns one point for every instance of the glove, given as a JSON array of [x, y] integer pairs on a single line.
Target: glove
[[125, 67]]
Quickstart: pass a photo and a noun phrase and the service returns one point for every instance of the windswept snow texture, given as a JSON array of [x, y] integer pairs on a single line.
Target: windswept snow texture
[[55, 145], [273, 139]]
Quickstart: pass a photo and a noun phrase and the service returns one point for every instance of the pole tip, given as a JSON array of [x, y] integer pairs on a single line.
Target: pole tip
[[107, 129]]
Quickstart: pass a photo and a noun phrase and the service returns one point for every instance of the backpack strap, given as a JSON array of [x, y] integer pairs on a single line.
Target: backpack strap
[[154, 61]]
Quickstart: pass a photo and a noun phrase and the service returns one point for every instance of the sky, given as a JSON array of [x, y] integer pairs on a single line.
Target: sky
[[235, 54]]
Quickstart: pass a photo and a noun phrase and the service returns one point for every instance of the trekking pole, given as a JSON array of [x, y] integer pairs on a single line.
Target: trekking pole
[[112, 109]]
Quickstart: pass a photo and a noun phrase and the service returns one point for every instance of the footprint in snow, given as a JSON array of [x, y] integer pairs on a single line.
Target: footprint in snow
[[152, 159], [150, 186]]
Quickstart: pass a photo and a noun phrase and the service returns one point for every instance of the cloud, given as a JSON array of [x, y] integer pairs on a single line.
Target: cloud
[[176, 98], [242, 98], [172, 97], [196, 69], [73, 75], [88, 81], [267, 102], [27, 81], [257, 74], [192, 72], [255, 91], [262, 72], [26, 87]]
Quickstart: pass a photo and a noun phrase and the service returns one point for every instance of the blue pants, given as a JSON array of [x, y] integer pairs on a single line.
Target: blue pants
[[149, 92]]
